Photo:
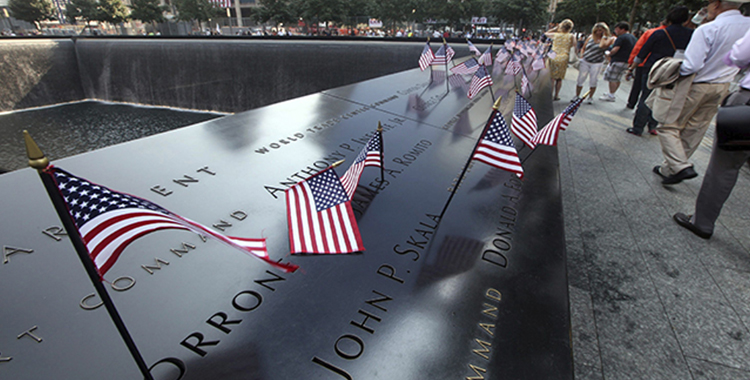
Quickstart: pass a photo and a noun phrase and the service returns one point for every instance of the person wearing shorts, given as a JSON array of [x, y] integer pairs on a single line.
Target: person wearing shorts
[[618, 59]]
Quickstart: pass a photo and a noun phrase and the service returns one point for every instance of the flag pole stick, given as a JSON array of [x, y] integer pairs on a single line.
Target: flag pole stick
[[40, 162], [382, 160], [428, 42], [495, 108], [447, 83]]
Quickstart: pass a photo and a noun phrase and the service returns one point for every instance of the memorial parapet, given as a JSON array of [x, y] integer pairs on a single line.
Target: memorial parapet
[[478, 294]]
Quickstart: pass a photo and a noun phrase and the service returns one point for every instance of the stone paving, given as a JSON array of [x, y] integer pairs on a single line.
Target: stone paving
[[648, 299]]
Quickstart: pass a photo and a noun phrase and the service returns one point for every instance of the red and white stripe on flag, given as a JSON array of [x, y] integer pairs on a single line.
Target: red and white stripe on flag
[[480, 80], [496, 146], [223, 3], [426, 58], [524, 123], [330, 231]]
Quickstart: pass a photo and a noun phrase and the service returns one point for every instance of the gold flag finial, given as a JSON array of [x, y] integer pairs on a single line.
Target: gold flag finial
[[337, 163], [380, 127], [497, 103], [444, 41], [37, 159]]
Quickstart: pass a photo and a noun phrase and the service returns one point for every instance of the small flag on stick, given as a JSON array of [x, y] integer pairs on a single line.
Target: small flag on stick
[[496, 147], [320, 216], [549, 134], [368, 156], [470, 66], [473, 48], [480, 80], [524, 124], [427, 57]]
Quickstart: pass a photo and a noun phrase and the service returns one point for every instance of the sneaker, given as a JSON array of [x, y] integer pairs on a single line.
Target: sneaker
[[589, 101], [607, 98], [653, 132], [632, 131]]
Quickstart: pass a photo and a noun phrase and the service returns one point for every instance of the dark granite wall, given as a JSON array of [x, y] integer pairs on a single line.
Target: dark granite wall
[[229, 75]]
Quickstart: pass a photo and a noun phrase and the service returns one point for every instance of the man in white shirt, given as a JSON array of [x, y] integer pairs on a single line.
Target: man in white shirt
[[703, 57], [724, 166]]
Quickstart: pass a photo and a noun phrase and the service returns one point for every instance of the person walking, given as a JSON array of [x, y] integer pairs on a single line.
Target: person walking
[[592, 58], [635, 90], [562, 41], [618, 59], [703, 59], [724, 166], [662, 43]]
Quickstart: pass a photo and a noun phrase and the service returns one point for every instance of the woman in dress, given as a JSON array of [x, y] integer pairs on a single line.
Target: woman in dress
[[562, 40], [592, 58]]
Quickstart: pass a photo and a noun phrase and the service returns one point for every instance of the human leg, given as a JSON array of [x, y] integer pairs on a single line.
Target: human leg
[[697, 125], [635, 91]]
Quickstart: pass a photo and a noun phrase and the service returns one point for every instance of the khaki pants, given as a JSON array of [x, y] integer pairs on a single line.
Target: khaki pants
[[680, 139]]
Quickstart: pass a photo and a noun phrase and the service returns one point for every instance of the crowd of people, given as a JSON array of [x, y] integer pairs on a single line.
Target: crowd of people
[[681, 71]]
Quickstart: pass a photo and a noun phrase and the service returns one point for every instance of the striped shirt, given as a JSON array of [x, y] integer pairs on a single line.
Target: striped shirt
[[593, 53]]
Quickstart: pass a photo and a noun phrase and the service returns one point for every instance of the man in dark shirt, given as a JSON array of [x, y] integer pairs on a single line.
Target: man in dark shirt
[[618, 62]]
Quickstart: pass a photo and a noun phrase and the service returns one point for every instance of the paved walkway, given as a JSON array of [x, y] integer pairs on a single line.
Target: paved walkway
[[648, 299]]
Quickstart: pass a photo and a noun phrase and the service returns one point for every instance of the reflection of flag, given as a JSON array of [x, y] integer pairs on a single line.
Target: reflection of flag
[[108, 221], [548, 135], [480, 80], [524, 124], [443, 55], [513, 67], [538, 64], [457, 81], [368, 156], [525, 84], [427, 57], [473, 48], [486, 58], [496, 147], [467, 67], [320, 216], [502, 55]]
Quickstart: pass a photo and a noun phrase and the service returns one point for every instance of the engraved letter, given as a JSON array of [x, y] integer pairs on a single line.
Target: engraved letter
[[384, 299], [223, 322], [262, 282], [405, 251], [29, 333], [160, 190], [86, 306], [484, 350], [476, 370], [353, 338], [494, 294], [367, 316], [195, 347], [487, 327], [184, 181], [7, 251], [331, 368], [184, 250], [499, 261], [205, 170], [175, 362], [222, 225], [258, 298], [490, 311], [239, 215], [131, 281], [151, 269], [55, 232], [391, 273]]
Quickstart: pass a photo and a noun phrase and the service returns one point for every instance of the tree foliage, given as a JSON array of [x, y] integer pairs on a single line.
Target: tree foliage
[[524, 14], [86, 10], [278, 11], [32, 10], [148, 11], [112, 11], [585, 13], [198, 10]]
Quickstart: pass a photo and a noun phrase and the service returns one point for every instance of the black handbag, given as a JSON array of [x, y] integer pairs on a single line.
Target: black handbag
[[733, 127]]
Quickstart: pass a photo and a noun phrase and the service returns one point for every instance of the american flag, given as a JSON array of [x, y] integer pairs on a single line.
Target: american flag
[[513, 67], [473, 48], [320, 216], [548, 135], [368, 156], [223, 3], [467, 67], [524, 124], [108, 221], [486, 58], [496, 147], [538, 64], [502, 55], [480, 80], [427, 57], [443, 55]]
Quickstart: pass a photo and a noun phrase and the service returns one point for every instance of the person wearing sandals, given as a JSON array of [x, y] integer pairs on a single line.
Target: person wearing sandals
[[592, 58], [662, 43], [562, 41]]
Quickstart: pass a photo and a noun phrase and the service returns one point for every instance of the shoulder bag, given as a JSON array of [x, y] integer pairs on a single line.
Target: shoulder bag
[[733, 127]]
